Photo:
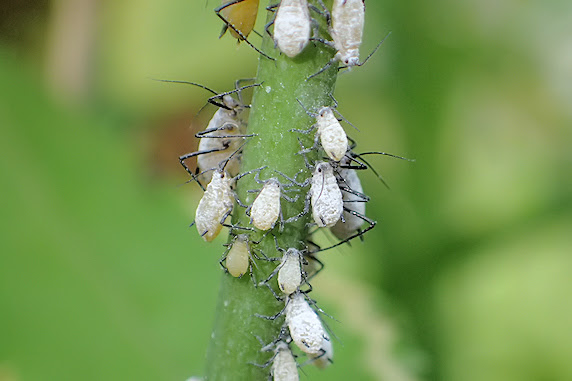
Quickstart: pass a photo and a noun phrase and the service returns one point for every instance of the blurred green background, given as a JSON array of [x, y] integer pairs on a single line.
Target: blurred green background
[[468, 275]]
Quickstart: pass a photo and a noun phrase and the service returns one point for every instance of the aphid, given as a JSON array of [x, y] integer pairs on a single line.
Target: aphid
[[329, 132], [325, 196], [354, 200], [240, 15], [290, 274], [215, 205], [224, 133], [304, 324], [292, 26], [326, 357], [238, 257], [284, 366], [348, 18], [265, 209]]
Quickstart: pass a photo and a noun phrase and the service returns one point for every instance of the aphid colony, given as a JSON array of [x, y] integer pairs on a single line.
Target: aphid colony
[[332, 192]]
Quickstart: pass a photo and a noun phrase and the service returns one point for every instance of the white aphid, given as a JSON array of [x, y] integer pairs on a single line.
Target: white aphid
[[292, 26], [284, 367], [325, 196], [238, 257], [222, 137], [352, 201], [304, 324], [348, 18], [266, 207], [326, 355], [290, 273], [332, 135], [216, 203]]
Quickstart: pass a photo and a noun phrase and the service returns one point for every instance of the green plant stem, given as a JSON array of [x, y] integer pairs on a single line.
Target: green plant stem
[[275, 110]]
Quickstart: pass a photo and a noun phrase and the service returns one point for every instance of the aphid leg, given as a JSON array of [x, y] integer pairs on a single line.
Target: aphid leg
[[238, 177], [302, 213], [310, 113], [212, 100], [324, 12], [293, 180], [360, 233], [278, 297], [315, 259], [229, 24], [273, 317]]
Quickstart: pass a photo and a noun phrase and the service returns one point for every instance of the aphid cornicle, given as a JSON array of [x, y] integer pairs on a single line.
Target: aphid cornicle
[[325, 196], [326, 357], [290, 274], [284, 366], [238, 257], [292, 26], [265, 209], [348, 18], [304, 324], [354, 201], [215, 205]]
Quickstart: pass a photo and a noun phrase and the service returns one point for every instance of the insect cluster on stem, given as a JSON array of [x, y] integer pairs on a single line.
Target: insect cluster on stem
[[329, 195]]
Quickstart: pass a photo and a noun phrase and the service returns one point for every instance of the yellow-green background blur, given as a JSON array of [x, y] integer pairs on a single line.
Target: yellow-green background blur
[[468, 275]]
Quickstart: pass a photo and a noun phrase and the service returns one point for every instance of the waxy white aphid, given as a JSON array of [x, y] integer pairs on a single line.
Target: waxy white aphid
[[304, 324], [290, 273], [348, 18], [353, 201], [326, 355], [238, 257], [265, 209], [292, 26], [325, 196], [284, 366], [332, 135], [215, 205]]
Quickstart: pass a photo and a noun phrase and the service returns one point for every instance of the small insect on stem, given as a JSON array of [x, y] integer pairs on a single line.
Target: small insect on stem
[[329, 132], [292, 26], [305, 326], [239, 258], [284, 367], [223, 135], [290, 273], [240, 17]]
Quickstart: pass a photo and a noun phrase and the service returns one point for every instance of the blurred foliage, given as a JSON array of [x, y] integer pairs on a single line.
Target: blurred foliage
[[466, 276]]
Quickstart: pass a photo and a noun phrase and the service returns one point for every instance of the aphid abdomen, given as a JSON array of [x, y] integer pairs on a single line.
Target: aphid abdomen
[[326, 197], [242, 16], [284, 367], [216, 202], [266, 207], [304, 324], [348, 17], [290, 274], [238, 258], [292, 27], [332, 135]]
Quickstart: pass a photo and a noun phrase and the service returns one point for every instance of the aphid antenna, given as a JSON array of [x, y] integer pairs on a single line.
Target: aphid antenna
[[344, 118], [237, 90], [314, 258], [238, 32], [203, 134], [385, 154], [369, 166], [348, 189], [310, 113], [293, 180], [193, 154], [186, 83], [238, 87]]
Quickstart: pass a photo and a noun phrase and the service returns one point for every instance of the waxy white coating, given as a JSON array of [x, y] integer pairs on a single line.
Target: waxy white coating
[[292, 26], [343, 230], [290, 273], [284, 366], [238, 257], [266, 207], [304, 324], [332, 135], [326, 196], [348, 18], [326, 356], [217, 201], [223, 123]]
